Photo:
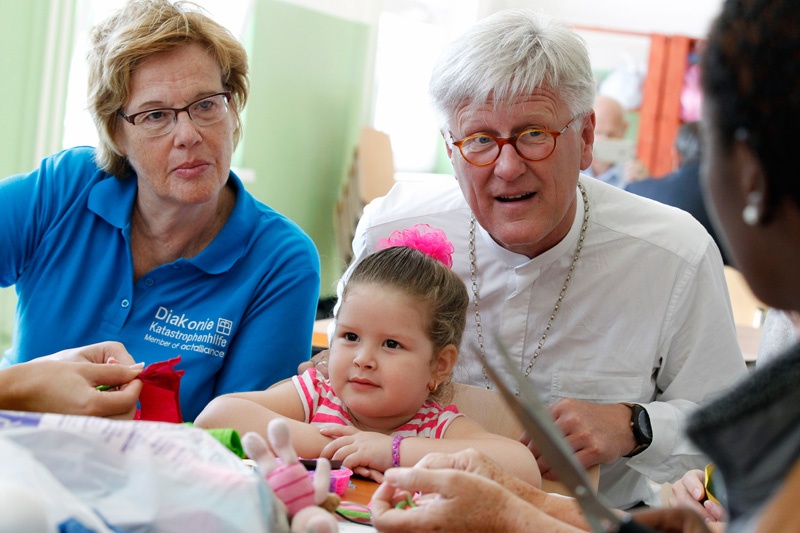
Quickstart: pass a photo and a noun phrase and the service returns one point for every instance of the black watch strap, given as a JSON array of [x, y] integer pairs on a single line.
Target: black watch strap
[[640, 426]]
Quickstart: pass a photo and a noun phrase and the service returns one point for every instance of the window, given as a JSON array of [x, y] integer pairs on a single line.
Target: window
[[410, 37]]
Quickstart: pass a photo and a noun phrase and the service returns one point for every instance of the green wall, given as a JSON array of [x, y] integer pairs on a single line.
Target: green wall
[[22, 51], [22, 45], [303, 116]]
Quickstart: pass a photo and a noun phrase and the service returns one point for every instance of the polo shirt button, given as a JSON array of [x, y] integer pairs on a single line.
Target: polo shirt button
[[149, 282], [125, 303]]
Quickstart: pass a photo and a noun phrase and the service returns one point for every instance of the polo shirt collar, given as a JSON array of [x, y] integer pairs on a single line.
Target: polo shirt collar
[[232, 241], [112, 199]]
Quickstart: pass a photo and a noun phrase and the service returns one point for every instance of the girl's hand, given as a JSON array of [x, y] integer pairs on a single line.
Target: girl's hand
[[366, 453]]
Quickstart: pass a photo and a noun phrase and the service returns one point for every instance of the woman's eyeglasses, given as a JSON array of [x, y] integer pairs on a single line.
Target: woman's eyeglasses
[[203, 112]]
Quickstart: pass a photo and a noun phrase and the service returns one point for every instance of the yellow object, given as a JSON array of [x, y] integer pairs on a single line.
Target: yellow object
[[709, 483]]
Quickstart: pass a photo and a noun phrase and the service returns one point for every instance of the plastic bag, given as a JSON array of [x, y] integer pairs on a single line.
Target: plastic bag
[[111, 475]]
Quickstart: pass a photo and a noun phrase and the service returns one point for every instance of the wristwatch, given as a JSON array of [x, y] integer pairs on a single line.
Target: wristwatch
[[640, 425]]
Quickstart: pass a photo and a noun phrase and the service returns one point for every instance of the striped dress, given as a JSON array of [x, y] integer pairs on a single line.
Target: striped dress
[[322, 406]]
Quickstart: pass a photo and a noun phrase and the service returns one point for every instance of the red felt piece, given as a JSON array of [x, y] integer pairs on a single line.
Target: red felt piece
[[160, 400]]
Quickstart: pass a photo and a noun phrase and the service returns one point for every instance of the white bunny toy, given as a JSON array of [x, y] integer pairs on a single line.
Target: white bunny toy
[[309, 504]]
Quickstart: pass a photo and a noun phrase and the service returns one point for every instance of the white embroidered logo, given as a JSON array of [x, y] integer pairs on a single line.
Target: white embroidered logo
[[174, 330]]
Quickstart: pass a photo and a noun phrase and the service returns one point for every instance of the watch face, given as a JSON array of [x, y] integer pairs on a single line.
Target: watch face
[[644, 424]]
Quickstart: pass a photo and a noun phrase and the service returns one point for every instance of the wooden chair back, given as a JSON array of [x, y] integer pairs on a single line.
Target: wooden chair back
[[747, 309]]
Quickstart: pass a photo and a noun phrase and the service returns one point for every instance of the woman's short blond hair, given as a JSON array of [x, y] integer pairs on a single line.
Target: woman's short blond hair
[[140, 29]]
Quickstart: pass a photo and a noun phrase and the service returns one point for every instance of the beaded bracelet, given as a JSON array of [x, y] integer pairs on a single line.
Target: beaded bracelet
[[396, 450]]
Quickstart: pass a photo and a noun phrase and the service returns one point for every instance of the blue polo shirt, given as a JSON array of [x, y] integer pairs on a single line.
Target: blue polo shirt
[[240, 313]]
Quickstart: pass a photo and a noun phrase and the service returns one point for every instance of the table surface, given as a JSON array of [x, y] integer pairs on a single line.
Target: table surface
[[319, 338], [360, 490]]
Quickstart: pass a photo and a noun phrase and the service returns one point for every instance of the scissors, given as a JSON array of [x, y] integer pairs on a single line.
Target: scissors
[[539, 426]]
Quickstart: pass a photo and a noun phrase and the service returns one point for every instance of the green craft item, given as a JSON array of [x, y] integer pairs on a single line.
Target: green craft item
[[228, 437]]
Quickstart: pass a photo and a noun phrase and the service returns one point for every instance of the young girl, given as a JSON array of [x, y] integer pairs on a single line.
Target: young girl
[[395, 342]]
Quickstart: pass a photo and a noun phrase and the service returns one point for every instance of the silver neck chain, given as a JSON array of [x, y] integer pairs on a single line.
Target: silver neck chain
[[548, 327]]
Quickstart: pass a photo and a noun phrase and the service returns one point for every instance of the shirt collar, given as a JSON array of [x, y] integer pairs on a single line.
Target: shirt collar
[[112, 200], [565, 246]]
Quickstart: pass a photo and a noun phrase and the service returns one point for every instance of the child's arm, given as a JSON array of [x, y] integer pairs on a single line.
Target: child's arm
[[374, 450], [462, 433], [252, 411]]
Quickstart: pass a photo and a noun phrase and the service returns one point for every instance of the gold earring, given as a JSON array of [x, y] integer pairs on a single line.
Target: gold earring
[[432, 388]]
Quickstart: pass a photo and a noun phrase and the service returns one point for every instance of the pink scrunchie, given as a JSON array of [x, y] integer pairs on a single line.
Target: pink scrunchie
[[428, 240]]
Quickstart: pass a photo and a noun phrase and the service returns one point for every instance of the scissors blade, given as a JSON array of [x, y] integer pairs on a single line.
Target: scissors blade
[[539, 425]]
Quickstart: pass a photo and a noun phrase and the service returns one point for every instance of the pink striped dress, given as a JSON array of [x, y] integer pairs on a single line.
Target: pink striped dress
[[322, 406]]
